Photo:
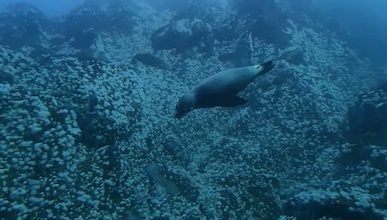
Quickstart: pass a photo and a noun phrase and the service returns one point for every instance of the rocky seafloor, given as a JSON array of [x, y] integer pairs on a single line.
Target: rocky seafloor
[[87, 128]]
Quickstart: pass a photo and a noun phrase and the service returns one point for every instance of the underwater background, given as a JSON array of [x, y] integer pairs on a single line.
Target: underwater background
[[88, 91]]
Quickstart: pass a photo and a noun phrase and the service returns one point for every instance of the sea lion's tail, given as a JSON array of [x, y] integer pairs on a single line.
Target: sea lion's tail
[[265, 67]]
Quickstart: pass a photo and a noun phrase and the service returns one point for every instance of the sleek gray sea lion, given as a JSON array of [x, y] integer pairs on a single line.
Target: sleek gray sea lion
[[221, 89]]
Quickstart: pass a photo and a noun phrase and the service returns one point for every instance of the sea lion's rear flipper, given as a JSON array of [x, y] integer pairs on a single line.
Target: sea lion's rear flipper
[[266, 67], [231, 101]]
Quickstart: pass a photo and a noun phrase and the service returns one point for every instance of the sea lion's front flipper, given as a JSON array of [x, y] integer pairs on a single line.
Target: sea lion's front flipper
[[231, 101]]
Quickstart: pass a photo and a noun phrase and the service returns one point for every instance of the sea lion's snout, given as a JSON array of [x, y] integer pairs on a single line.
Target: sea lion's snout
[[179, 113], [183, 106]]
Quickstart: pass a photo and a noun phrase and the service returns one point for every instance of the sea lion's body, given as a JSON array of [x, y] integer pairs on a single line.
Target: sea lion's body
[[221, 89]]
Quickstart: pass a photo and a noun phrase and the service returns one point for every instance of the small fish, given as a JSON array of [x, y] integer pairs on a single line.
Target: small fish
[[153, 170]]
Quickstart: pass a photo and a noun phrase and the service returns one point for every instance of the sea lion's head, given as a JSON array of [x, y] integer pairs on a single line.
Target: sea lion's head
[[184, 105]]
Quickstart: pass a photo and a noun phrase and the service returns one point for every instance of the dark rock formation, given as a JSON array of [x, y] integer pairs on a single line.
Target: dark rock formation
[[367, 118], [242, 52], [6, 77], [352, 155], [42, 55], [319, 204], [170, 5], [82, 26], [83, 39], [182, 35], [195, 28], [21, 26], [117, 18], [264, 19], [25, 25]]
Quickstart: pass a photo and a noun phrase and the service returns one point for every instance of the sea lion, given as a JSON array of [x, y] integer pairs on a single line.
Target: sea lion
[[221, 89]]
